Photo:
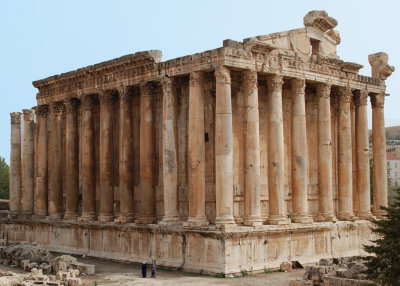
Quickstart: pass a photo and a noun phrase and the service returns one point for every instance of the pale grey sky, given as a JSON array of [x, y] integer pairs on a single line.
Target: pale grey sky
[[42, 38]]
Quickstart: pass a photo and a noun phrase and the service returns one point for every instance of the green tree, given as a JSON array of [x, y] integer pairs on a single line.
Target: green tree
[[4, 179], [384, 266]]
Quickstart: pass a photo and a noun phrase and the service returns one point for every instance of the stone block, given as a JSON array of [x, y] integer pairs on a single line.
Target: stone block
[[4, 281], [30, 266], [74, 273], [24, 264], [73, 281], [62, 275], [60, 266], [68, 259], [53, 283], [286, 266], [300, 283], [84, 268], [36, 272]]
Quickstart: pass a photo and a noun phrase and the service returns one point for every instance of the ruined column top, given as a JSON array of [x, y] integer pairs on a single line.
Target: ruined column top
[[15, 117]]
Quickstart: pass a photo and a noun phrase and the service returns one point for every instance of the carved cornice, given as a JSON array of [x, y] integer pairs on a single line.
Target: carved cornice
[[298, 85], [275, 83], [196, 79], [361, 97], [29, 114], [323, 90], [107, 97], [15, 117], [378, 100], [42, 110], [250, 81], [57, 108], [222, 75], [71, 105]]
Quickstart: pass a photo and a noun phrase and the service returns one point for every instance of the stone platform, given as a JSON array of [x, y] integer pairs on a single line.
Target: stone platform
[[206, 250]]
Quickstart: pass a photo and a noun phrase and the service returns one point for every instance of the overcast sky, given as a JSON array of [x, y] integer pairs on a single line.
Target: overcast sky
[[42, 38]]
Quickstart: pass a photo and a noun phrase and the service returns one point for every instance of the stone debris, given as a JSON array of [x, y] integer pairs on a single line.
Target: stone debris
[[286, 266]]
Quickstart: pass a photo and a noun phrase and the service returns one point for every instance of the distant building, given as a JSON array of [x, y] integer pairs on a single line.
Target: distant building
[[394, 150], [393, 169]]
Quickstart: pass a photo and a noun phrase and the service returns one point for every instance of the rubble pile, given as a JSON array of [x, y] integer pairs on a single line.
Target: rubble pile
[[346, 271]]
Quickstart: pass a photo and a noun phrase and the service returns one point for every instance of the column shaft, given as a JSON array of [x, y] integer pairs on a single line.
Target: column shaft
[[223, 149], [55, 161], [41, 190], [299, 153], [196, 152], [325, 197], [88, 160], [277, 207], [252, 200], [106, 213], [362, 148], [345, 196], [28, 162], [15, 165], [379, 154], [126, 159], [356, 203], [72, 159], [147, 190]]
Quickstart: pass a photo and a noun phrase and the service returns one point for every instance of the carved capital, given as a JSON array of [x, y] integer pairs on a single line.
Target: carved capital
[[88, 102], [275, 82], [298, 86], [107, 97], [146, 89], [71, 105], [29, 114], [57, 108], [196, 79], [344, 95], [378, 100], [361, 97], [166, 85], [125, 94], [222, 75], [323, 90], [42, 110], [250, 79], [15, 117]]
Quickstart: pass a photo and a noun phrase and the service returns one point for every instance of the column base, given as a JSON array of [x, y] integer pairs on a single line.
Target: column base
[[225, 223], [71, 216], [365, 216], [55, 216], [301, 218], [13, 215], [145, 219], [170, 221], [128, 218], [348, 217], [106, 218], [39, 215], [86, 217], [27, 214], [379, 214], [196, 222], [278, 220], [252, 221], [323, 217]]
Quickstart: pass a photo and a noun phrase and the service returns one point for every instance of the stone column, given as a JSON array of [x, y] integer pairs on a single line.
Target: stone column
[[40, 205], [28, 162], [299, 153], [355, 203], [362, 149], [170, 155], [325, 196], [55, 161], [147, 189], [106, 212], [72, 160], [277, 207], [223, 149], [252, 200], [196, 152], [88, 160], [15, 165], [379, 154], [126, 159], [345, 184]]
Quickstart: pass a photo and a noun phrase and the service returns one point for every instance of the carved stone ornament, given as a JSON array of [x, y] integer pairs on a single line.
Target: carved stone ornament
[[345, 95], [250, 79], [125, 94], [29, 114], [378, 100], [107, 97], [146, 89], [71, 105], [361, 97], [275, 83], [379, 65], [15, 117], [319, 20], [87, 101], [196, 79], [298, 86], [222, 75], [166, 85], [323, 90], [42, 110], [57, 108]]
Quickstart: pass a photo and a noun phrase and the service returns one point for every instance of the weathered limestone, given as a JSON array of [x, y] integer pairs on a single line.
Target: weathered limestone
[[55, 169], [125, 156], [88, 159], [170, 155], [362, 148], [277, 207], [15, 165], [106, 212], [28, 162], [325, 197], [345, 196], [379, 154], [379, 65], [40, 205], [72, 159], [196, 153], [252, 207], [299, 154], [147, 190], [223, 149]]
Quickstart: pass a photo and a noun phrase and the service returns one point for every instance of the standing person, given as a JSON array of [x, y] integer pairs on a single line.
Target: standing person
[[153, 269], [144, 269]]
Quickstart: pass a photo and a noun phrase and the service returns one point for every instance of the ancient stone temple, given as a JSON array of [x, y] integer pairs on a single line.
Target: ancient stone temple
[[235, 158]]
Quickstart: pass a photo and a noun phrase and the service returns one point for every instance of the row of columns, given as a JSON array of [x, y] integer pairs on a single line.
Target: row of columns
[[49, 188]]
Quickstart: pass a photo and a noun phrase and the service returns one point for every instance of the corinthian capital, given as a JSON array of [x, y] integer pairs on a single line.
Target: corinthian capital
[[275, 82], [166, 85], [222, 75], [344, 95], [378, 100], [107, 97], [323, 90], [146, 89], [71, 105], [125, 94], [250, 79], [298, 85], [196, 79], [29, 114], [57, 108], [15, 117], [361, 97], [42, 110]]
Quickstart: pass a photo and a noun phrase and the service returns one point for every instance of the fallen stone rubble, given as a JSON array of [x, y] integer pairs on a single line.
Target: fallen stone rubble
[[346, 271]]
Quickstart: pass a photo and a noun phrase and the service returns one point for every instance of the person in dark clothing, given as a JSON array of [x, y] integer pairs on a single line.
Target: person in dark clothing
[[153, 269], [144, 269]]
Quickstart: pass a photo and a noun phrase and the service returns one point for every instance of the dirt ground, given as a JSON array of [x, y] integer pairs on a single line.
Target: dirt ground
[[114, 273]]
